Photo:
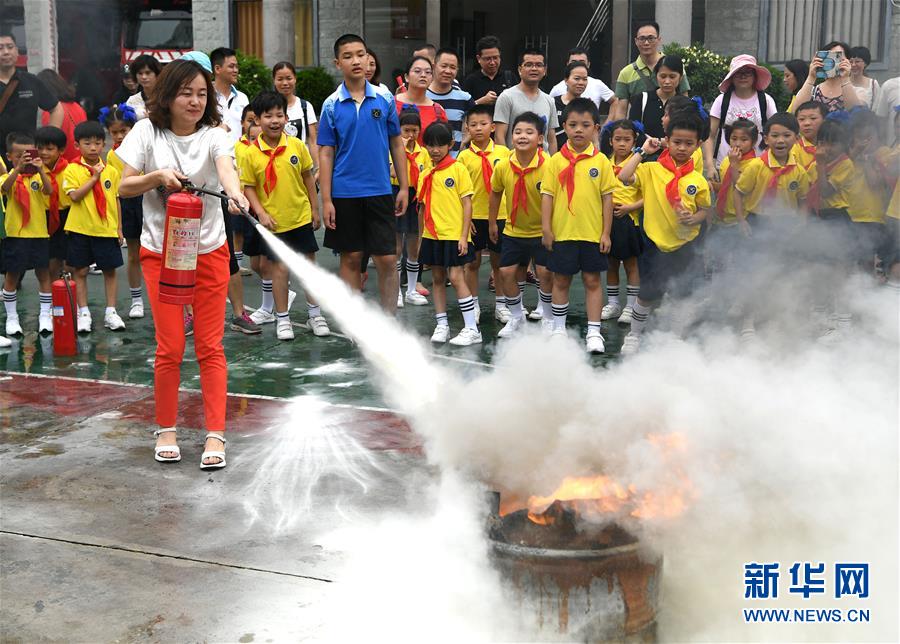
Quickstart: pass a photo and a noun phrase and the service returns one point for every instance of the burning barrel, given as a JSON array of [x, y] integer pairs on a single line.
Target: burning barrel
[[576, 581]]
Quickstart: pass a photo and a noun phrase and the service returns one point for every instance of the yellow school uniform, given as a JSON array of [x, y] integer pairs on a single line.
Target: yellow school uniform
[[697, 158], [288, 203], [841, 178], [504, 179], [37, 221], [420, 158], [113, 160], [626, 194], [448, 187], [84, 218], [470, 159], [582, 220], [754, 180], [661, 223], [889, 157], [2, 209], [241, 148], [64, 201], [867, 202], [805, 153], [728, 216]]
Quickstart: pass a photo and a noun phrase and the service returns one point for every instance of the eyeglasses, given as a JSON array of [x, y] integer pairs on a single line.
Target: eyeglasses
[[533, 65], [646, 39], [420, 72], [745, 72]]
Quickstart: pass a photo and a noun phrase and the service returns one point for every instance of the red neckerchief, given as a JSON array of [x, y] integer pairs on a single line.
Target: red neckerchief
[[772, 186], [23, 196], [520, 191], [271, 176], [413, 166], [727, 181], [567, 176], [116, 146], [814, 197], [425, 197], [487, 169], [666, 161], [97, 189], [810, 150], [53, 221], [245, 140]]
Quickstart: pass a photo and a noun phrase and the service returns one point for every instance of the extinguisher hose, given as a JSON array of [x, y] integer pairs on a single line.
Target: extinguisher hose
[[189, 187], [72, 305]]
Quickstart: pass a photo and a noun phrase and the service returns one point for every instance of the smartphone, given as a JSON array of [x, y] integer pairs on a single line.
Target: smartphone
[[29, 169], [830, 62]]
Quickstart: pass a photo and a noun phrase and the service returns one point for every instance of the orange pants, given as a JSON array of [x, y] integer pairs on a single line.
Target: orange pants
[[209, 326]]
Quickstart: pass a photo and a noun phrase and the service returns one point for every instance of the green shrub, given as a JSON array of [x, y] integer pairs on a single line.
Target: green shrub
[[776, 88], [314, 84], [253, 75], [705, 69]]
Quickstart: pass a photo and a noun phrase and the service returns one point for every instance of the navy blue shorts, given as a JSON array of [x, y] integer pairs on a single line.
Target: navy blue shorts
[[626, 238], [60, 237], [239, 223], [868, 238], [23, 253], [889, 248], [444, 253], [408, 222], [252, 242], [573, 257], [481, 239], [662, 273], [519, 251], [300, 240], [84, 250], [132, 216], [363, 224], [233, 268]]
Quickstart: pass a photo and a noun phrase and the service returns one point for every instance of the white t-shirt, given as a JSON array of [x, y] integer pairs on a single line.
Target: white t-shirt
[[746, 108], [136, 101], [298, 120], [231, 107], [596, 90], [147, 148]]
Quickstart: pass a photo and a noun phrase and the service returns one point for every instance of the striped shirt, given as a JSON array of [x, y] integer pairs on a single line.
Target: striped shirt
[[456, 103]]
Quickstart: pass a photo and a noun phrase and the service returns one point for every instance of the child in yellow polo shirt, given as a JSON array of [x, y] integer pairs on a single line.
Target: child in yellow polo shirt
[[279, 184], [444, 194], [517, 182], [51, 143], [576, 218], [676, 199], [94, 225], [810, 116], [479, 159], [27, 243], [889, 252], [870, 190]]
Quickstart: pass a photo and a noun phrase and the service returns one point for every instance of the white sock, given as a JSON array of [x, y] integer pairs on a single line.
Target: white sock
[[239, 256], [9, 303], [546, 304], [639, 318], [467, 306], [502, 300], [475, 299], [46, 301], [441, 319], [612, 294], [521, 287], [136, 295], [560, 312], [83, 310], [313, 310], [632, 294], [515, 307], [110, 309], [268, 300], [412, 276]]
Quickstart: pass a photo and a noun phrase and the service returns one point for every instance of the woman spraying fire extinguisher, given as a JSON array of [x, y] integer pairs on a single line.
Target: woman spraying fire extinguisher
[[180, 141]]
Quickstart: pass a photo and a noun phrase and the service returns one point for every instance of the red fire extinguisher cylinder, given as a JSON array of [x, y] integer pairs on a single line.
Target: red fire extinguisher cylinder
[[64, 295], [181, 244]]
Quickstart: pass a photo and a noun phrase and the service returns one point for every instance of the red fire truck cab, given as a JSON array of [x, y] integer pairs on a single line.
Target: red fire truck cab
[[163, 30]]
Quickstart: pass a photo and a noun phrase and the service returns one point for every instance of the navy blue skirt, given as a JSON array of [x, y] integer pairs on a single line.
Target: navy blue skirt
[[437, 252]]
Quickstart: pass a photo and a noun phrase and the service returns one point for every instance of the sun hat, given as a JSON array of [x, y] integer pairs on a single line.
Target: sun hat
[[202, 59], [763, 76]]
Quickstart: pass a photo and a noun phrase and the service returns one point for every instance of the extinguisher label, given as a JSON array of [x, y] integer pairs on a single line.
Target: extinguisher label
[[183, 243], [58, 311]]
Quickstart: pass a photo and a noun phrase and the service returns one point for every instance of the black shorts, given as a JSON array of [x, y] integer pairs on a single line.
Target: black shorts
[[868, 238], [23, 253], [481, 239], [837, 234], [132, 216], [519, 251], [662, 273], [300, 240], [59, 238], [233, 268], [573, 257], [626, 238], [408, 222], [363, 224], [889, 248], [438, 252], [84, 250], [253, 245], [239, 224]]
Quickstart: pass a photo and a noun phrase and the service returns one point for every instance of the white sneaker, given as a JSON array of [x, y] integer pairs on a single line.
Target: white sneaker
[[292, 295], [112, 321], [611, 311], [511, 328], [136, 311], [400, 300], [557, 333], [12, 325], [416, 299], [441, 334], [537, 315], [593, 342], [84, 322], [261, 316], [502, 314], [630, 344], [45, 323], [93, 270], [284, 330], [627, 315], [319, 326], [244, 271], [5, 342], [467, 337], [546, 326]]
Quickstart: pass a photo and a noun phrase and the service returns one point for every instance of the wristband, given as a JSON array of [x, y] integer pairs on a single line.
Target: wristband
[[639, 151]]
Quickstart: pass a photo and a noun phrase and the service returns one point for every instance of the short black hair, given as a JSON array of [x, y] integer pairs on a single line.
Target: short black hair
[[247, 108], [784, 119], [670, 62], [18, 138], [861, 52], [144, 61], [747, 126], [812, 105], [446, 50], [684, 120], [486, 42], [268, 100], [218, 55], [49, 135], [409, 115], [679, 105], [346, 39], [646, 23], [800, 69], [832, 132], [8, 34], [412, 61], [532, 118], [837, 43], [578, 51], [532, 51], [427, 46], [480, 109], [573, 66], [581, 106], [438, 133], [89, 130]]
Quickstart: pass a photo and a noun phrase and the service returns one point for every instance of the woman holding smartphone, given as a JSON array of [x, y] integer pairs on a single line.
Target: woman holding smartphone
[[835, 92]]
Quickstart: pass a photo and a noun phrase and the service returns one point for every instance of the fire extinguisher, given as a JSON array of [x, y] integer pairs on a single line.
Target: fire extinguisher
[[64, 298], [178, 275]]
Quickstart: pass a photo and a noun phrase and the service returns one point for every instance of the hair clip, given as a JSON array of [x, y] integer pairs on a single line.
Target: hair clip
[[840, 116], [638, 126], [699, 101]]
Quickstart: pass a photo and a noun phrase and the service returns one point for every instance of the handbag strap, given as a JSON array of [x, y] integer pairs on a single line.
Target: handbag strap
[[7, 93]]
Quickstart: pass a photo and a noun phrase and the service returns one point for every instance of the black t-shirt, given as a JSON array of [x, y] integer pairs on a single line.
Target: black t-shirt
[[561, 137], [478, 85], [650, 114], [20, 113]]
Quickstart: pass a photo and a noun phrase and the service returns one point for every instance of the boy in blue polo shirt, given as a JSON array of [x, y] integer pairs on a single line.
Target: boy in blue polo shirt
[[359, 126]]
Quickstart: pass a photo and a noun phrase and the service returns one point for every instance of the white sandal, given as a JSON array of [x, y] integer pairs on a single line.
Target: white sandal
[[167, 448], [213, 454]]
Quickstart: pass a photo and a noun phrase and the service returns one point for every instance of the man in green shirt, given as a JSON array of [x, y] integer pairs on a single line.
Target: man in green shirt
[[638, 77]]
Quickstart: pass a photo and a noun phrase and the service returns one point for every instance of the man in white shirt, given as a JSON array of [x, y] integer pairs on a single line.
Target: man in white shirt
[[596, 90], [231, 100]]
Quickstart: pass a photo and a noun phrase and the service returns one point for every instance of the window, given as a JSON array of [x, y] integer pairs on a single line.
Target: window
[[304, 51]]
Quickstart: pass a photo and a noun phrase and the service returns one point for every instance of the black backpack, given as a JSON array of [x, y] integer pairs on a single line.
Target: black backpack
[[726, 102]]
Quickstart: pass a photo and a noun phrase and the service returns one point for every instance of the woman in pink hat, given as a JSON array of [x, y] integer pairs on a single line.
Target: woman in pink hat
[[743, 96]]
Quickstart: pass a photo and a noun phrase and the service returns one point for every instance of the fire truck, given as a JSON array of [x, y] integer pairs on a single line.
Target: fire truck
[[162, 29]]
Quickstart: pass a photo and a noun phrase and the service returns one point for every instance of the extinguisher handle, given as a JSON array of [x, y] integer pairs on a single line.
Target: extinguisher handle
[[190, 187]]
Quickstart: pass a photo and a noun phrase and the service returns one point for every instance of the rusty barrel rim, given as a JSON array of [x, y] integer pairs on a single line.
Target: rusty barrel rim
[[517, 550]]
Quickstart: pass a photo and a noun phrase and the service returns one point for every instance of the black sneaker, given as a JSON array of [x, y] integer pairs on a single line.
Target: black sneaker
[[245, 325]]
